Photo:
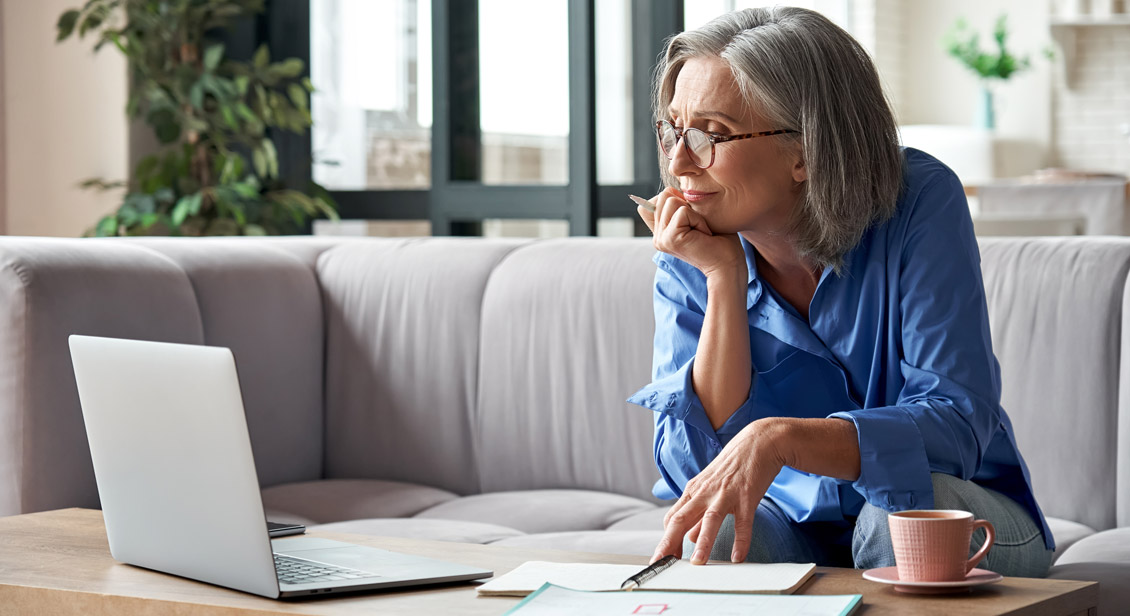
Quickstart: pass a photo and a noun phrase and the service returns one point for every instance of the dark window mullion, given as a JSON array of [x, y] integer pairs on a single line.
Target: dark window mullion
[[582, 118]]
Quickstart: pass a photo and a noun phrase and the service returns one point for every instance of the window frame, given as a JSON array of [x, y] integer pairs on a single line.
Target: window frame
[[454, 204]]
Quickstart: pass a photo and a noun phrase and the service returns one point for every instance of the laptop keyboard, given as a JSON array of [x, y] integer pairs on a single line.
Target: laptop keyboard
[[293, 570]]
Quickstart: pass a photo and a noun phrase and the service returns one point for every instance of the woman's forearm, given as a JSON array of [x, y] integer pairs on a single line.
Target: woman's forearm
[[828, 447], [722, 367]]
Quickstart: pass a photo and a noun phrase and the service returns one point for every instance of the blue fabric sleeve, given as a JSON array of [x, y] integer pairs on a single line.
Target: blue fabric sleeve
[[949, 406], [685, 442]]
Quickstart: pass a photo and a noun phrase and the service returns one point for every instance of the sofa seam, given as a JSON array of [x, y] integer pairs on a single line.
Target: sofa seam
[[477, 416]]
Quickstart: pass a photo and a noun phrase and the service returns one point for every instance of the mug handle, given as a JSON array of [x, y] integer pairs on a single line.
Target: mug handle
[[990, 537]]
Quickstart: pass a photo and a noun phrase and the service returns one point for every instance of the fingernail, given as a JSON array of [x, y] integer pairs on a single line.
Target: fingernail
[[734, 558], [699, 557], [643, 203]]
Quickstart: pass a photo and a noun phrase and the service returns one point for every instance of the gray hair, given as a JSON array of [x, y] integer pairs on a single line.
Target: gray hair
[[806, 74]]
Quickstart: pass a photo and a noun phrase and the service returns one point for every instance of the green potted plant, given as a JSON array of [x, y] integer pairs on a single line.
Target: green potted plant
[[964, 44], [210, 114]]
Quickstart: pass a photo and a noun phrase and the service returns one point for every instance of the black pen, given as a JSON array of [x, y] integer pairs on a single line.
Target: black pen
[[651, 571]]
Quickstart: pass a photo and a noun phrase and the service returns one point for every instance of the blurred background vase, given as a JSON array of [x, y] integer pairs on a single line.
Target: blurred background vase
[[986, 117]]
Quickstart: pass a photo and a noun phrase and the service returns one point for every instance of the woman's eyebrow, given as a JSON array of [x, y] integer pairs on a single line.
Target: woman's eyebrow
[[708, 114]]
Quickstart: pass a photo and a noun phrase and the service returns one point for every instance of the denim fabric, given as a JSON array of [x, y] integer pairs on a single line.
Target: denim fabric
[[777, 539], [1019, 549]]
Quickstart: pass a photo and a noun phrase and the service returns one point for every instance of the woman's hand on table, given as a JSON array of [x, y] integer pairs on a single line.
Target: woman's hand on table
[[683, 233], [733, 483]]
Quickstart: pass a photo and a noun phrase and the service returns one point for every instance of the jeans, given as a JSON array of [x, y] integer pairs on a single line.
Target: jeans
[[866, 544]]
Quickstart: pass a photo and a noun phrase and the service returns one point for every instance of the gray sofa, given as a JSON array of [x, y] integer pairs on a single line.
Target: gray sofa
[[473, 390]]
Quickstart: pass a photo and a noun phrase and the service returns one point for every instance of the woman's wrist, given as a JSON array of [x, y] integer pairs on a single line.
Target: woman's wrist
[[826, 447], [727, 278]]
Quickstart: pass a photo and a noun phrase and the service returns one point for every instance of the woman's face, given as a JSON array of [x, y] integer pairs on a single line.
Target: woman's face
[[754, 184]]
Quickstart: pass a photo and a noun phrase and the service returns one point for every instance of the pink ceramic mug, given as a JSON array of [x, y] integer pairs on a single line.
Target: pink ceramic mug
[[931, 545]]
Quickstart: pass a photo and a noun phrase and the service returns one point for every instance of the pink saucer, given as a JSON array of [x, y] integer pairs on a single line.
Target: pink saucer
[[890, 575]]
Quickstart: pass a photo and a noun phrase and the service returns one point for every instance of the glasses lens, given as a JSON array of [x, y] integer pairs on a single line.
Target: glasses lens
[[667, 139], [699, 145]]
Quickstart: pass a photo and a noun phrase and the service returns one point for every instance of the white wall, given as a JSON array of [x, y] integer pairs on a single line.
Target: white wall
[[64, 121], [1092, 109], [936, 89], [3, 139]]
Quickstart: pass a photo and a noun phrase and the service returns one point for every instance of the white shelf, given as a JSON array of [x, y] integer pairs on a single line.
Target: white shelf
[[1064, 32], [1089, 20]]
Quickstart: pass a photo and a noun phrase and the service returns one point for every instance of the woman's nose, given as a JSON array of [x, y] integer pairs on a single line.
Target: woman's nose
[[680, 163]]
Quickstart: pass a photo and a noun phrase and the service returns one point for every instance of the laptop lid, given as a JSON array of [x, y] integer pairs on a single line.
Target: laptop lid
[[173, 461]]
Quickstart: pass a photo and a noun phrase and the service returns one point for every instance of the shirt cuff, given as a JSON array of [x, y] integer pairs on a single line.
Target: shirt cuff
[[894, 473], [674, 395]]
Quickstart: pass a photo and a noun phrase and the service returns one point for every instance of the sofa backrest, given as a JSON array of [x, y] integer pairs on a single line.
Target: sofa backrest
[[567, 336], [483, 365], [1056, 309], [258, 297], [402, 357]]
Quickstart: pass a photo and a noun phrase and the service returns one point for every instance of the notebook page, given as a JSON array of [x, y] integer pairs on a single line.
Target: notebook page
[[529, 576], [780, 578], [556, 601], [771, 578]]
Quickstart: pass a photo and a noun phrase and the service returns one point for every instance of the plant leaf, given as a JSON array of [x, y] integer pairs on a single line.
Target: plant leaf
[[66, 25], [212, 56], [188, 205], [289, 68], [229, 117], [259, 161], [107, 227], [272, 157], [262, 57], [297, 95]]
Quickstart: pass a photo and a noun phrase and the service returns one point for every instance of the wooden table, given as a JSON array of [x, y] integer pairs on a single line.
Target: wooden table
[[58, 562]]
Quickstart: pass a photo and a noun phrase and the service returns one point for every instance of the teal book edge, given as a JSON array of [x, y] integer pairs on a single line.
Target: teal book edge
[[848, 609]]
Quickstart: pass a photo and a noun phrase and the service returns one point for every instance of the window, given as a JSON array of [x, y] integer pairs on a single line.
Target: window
[[372, 119], [506, 115]]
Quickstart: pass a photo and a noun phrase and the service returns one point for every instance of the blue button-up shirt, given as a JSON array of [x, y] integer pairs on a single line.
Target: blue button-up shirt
[[898, 344]]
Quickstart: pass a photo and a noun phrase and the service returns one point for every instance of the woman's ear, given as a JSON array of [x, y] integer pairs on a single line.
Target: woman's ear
[[800, 171]]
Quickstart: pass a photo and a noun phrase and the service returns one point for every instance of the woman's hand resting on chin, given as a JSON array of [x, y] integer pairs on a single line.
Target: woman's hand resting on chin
[[683, 233]]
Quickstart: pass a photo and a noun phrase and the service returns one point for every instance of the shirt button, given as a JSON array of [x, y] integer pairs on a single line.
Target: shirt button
[[890, 501], [671, 400], [713, 443], [653, 397], [910, 499]]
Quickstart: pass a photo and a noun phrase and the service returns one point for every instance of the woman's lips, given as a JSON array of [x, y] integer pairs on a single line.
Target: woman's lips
[[695, 195]]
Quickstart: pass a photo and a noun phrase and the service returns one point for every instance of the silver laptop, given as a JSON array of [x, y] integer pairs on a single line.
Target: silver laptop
[[176, 477]]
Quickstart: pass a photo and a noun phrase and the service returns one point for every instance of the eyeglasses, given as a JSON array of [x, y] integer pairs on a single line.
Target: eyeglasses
[[700, 144]]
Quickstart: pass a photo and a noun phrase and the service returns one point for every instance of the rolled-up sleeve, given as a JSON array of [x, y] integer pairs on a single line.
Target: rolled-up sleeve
[[685, 442], [949, 406]]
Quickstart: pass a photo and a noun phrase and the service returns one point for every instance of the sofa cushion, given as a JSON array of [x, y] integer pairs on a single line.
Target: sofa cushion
[[652, 519], [539, 511], [635, 542], [1067, 533], [50, 289], [263, 303], [570, 326], [334, 500], [1055, 307], [402, 358], [1104, 558], [420, 528]]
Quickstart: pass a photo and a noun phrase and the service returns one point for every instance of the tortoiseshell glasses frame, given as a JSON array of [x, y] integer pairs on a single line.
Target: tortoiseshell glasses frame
[[700, 139]]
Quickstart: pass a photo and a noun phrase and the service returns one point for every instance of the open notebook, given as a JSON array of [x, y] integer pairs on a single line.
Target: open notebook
[[770, 579]]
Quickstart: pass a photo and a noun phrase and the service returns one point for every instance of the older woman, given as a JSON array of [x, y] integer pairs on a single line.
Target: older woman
[[822, 352]]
